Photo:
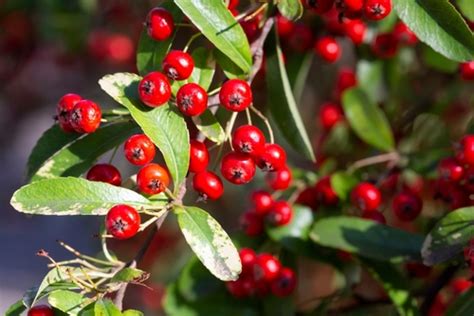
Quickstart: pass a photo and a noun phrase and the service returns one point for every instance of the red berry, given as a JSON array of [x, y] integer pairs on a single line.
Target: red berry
[[273, 158], [284, 284], [266, 268], [198, 156], [238, 168], [251, 223], [235, 95], [301, 38], [284, 26], [377, 9], [178, 65], [328, 49], [191, 99], [346, 78], [418, 270], [465, 150], [248, 139], [355, 30], [64, 109], [262, 202], [86, 116], [159, 24], [104, 173], [248, 259], [366, 196], [280, 179], [154, 89], [153, 179], [376, 216], [252, 27], [139, 149], [404, 35], [208, 184], [309, 198], [467, 70], [122, 221], [280, 214], [468, 179], [385, 45], [330, 114], [460, 285], [407, 206], [450, 193], [449, 169], [320, 6], [242, 287], [41, 310], [351, 5], [325, 193], [233, 4]]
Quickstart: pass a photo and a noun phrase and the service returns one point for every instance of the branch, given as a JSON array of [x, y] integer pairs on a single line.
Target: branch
[[257, 49], [439, 283], [393, 157]]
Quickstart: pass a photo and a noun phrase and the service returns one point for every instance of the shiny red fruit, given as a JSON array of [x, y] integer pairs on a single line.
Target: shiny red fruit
[[377, 9], [407, 206], [198, 156], [64, 110], [284, 26], [346, 78], [191, 99], [154, 89], [320, 6], [280, 179], [104, 173], [41, 310], [85, 116], [468, 179], [235, 95], [328, 49], [284, 284], [465, 150], [301, 39], [262, 201], [467, 70], [280, 214], [376, 216], [122, 221], [178, 65], [355, 30], [248, 139], [251, 223], [325, 193], [309, 198], [404, 35], [266, 268], [233, 4], [385, 45], [248, 257], [242, 287], [238, 168], [139, 150], [460, 285], [366, 196], [208, 184], [449, 169], [159, 24], [330, 114], [152, 179], [273, 158], [351, 5]]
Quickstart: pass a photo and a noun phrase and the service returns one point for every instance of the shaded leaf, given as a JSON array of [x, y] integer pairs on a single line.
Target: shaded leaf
[[462, 305], [128, 274], [342, 183], [290, 9], [16, 309], [210, 127], [204, 67], [106, 308], [68, 301]]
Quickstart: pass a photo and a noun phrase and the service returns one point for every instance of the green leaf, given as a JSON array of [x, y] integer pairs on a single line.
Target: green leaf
[[449, 236], [395, 285], [216, 22], [230, 69], [132, 312], [370, 79], [438, 24], [342, 183], [150, 53], [278, 306], [290, 9], [367, 120], [130, 275], [73, 196], [68, 301], [106, 308], [204, 67], [195, 282], [16, 309], [298, 228], [282, 104], [463, 305], [437, 61], [299, 78], [466, 8], [164, 125], [76, 157], [209, 242], [366, 238], [210, 127]]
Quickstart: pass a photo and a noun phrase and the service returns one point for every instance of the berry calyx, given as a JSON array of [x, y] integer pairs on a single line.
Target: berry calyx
[[198, 156], [377, 9], [280, 214], [366, 196], [262, 201], [159, 24], [449, 169], [85, 116], [272, 158], [407, 206], [266, 267], [64, 110], [208, 185], [251, 223], [330, 114], [191, 99], [280, 179], [328, 49], [139, 150], [178, 65], [465, 150], [238, 168], [325, 193], [104, 173], [376, 216], [122, 221], [154, 89], [235, 95], [152, 179], [248, 139], [284, 284], [41, 310]]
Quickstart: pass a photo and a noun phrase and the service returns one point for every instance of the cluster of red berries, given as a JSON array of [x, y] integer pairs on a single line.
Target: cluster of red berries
[[386, 45], [41, 310], [75, 114], [447, 296], [373, 10], [261, 275], [265, 210]]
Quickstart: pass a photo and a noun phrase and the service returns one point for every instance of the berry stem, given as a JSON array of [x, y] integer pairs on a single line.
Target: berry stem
[[85, 257], [249, 117], [266, 121], [190, 41], [105, 249], [229, 127], [113, 155], [393, 157]]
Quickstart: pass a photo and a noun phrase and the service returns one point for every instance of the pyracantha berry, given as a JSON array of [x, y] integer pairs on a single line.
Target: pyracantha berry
[[309, 198], [251, 27], [449, 169], [178, 65], [285, 26], [104, 173], [376, 216], [64, 110], [366, 196], [468, 179], [330, 114], [350, 5], [41, 310], [465, 150], [242, 287], [248, 139], [198, 156], [191, 99], [153, 179], [154, 89], [86, 116], [238, 168], [460, 285], [467, 70], [325, 193], [272, 158], [385, 45], [280, 179], [266, 268], [417, 270], [450, 193], [320, 6], [235, 95], [407, 206], [233, 4], [208, 184], [280, 214], [284, 284], [355, 30], [122, 221], [159, 24], [139, 150], [404, 35], [346, 78], [251, 223], [301, 39], [328, 49], [248, 257], [262, 201], [377, 9]]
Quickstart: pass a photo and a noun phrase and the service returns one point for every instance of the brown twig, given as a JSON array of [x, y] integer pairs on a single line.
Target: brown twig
[[392, 157]]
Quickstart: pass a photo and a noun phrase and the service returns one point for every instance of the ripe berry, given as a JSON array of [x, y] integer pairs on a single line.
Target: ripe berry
[[251, 27], [178, 65], [139, 150], [248, 139], [64, 109], [467, 70], [450, 193], [41, 310], [351, 5], [198, 156], [308, 197], [284, 284], [325, 193], [208, 184], [251, 223], [465, 150], [248, 259], [159, 24], [449, 169], [460, 285], [242, 287], [346, 78], [301, 39], [153, 179], [104, 173], [122, 221], [404, 35], [85, 116], [328, 49], [235, 95], [377, 9], [366, 196], [284, 26], [468, 179], [280, 214], [238, 168], [330, 114], [355, 30], [273, 158], [266, 268], [320, 6], [385, 45], [407, 206], [280, 179], [191, 99], [154, 89], [233, 4], [376, 216], [262, 202]]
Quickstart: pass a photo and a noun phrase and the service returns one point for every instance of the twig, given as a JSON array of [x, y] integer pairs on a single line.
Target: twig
[[257, 49], [439, 283], [388, 157], [266, 121]]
